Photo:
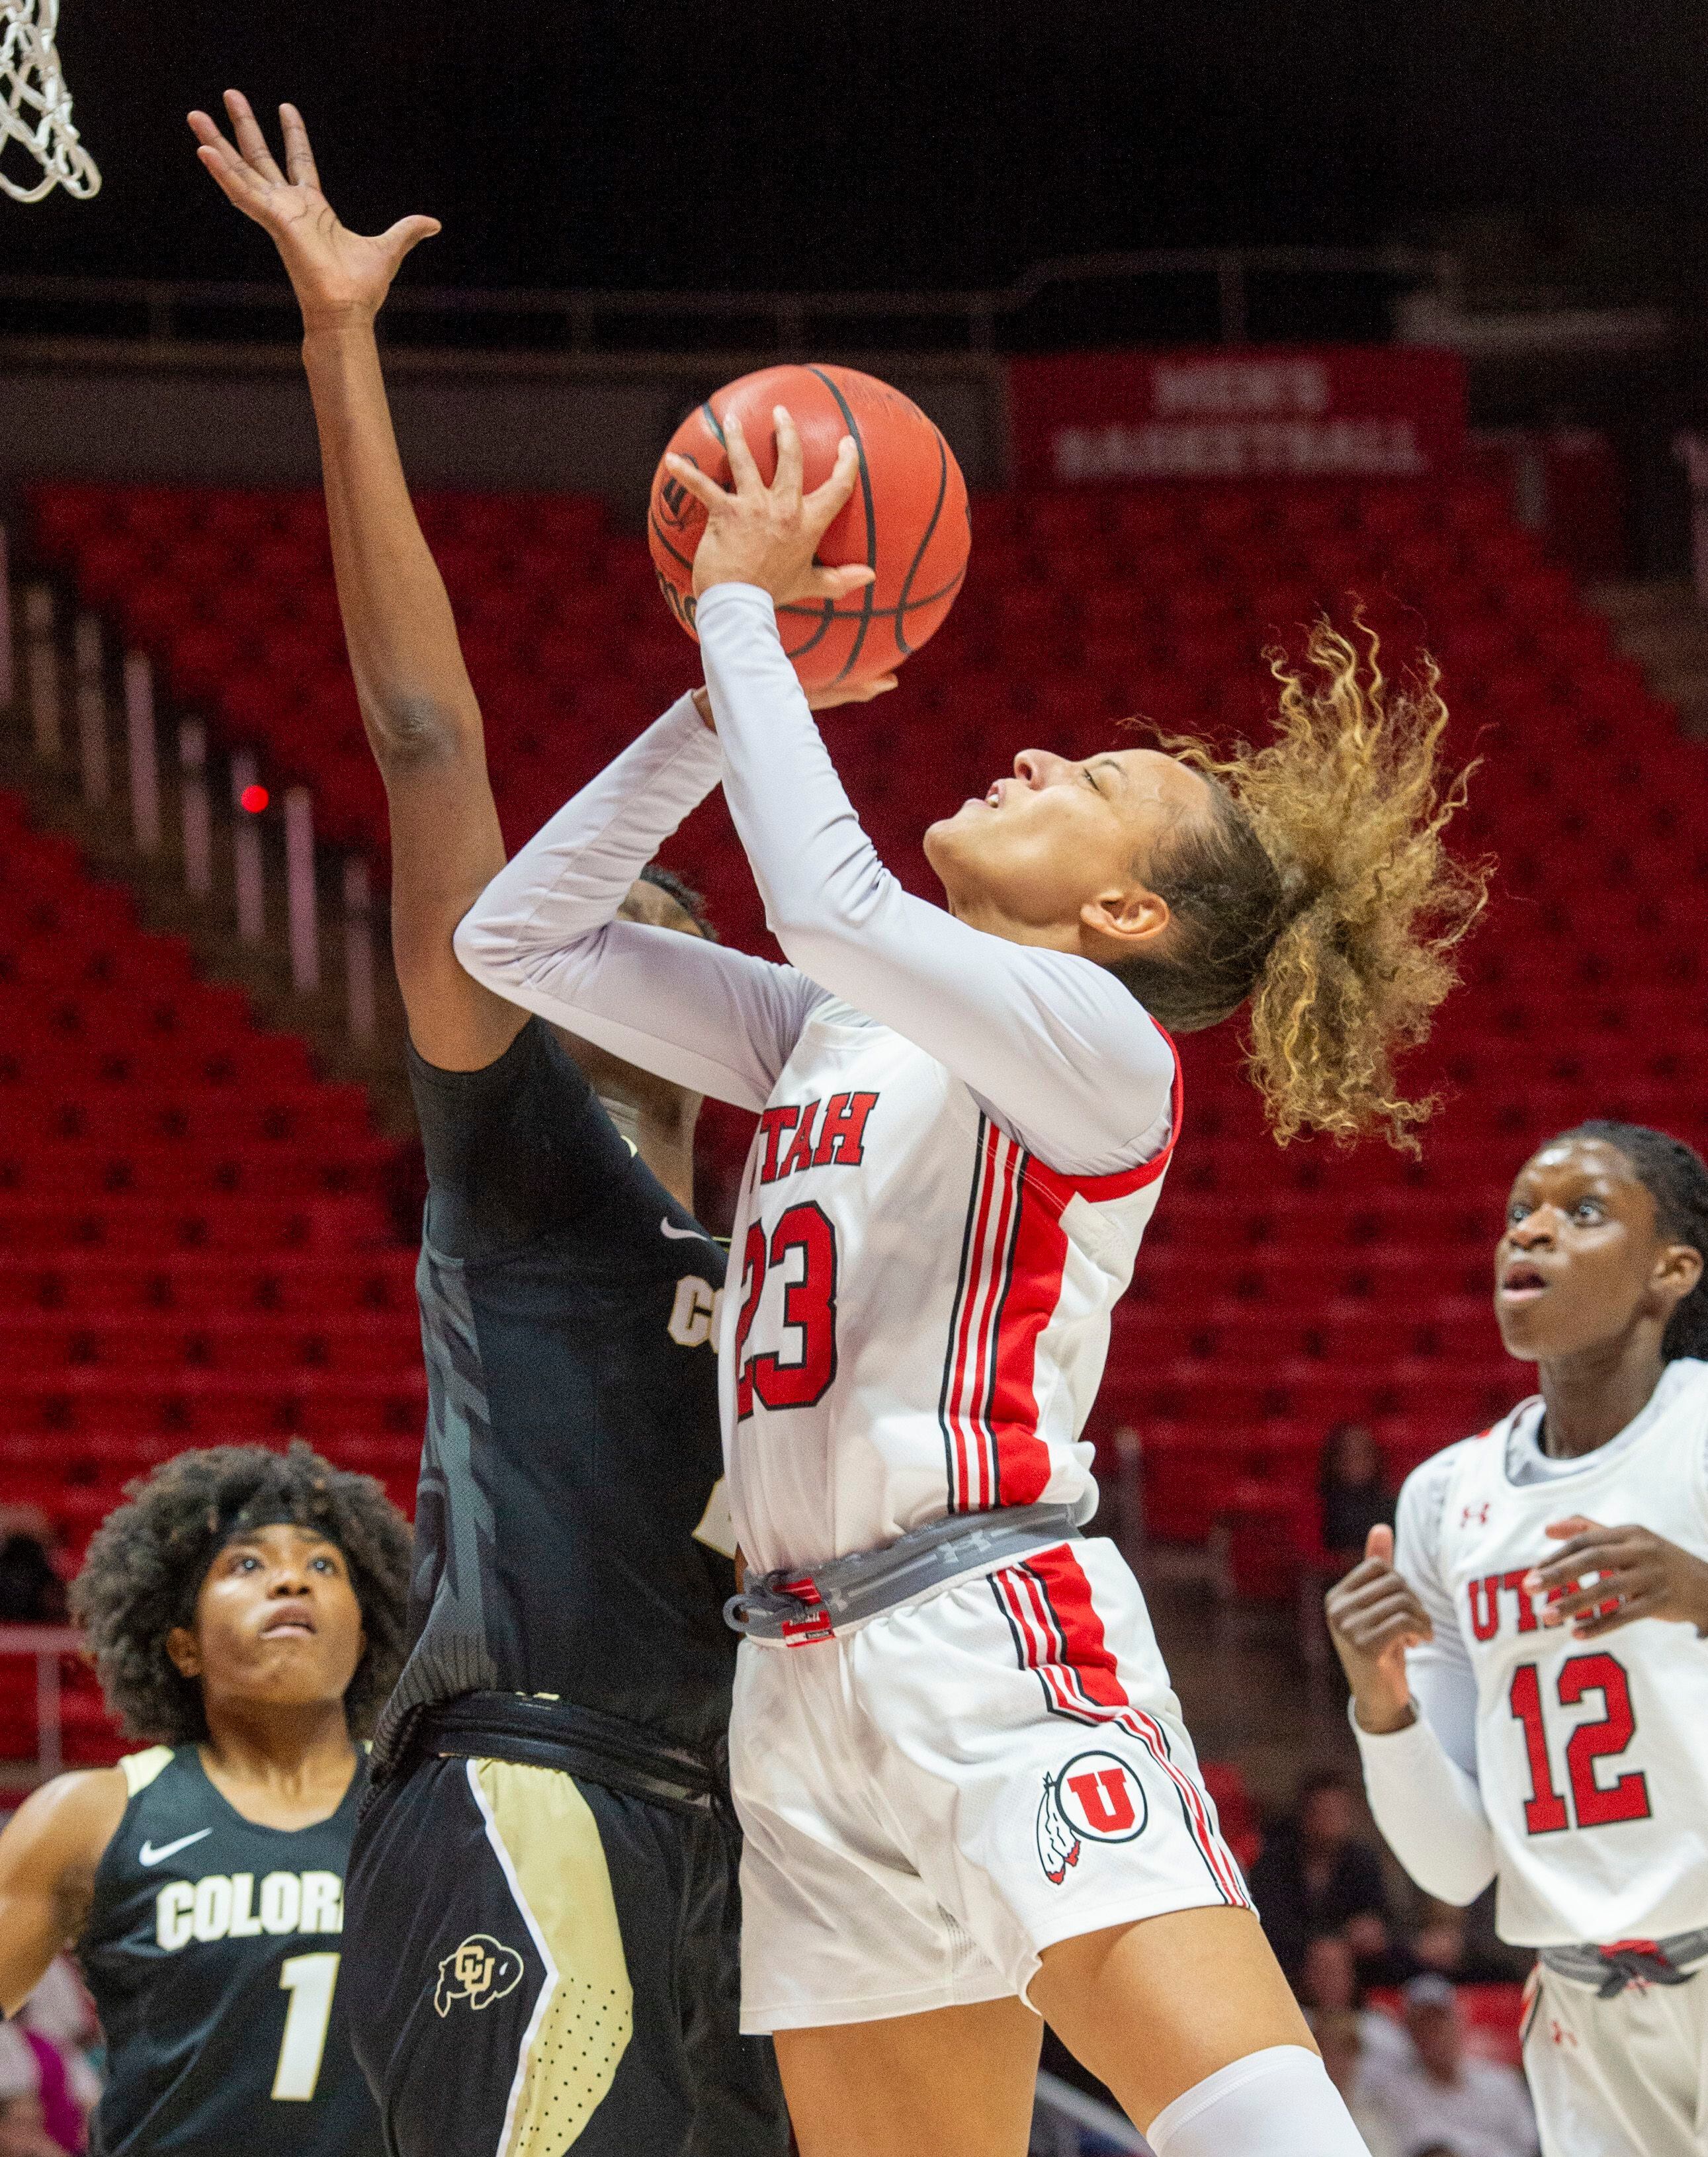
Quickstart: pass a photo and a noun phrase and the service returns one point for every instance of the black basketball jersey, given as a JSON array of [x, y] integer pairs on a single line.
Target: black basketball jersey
[[211, 1952], [569, 1533]]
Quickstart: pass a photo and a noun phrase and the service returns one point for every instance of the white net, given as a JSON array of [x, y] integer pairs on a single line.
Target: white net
[[35, 108]]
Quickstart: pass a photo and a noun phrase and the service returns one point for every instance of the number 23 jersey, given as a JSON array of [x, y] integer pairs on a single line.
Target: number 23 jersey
[[1591, 1756], [918, 1309]]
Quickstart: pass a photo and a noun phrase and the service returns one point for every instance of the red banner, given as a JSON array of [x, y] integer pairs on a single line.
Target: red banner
[[1279, 412]]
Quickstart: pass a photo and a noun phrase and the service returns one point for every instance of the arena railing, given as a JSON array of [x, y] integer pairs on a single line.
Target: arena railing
[[46, 1645], [167, 310], [231, 834]]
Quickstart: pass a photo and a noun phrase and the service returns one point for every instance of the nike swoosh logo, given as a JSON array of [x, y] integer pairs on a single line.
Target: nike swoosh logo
[[148, 1855], [683, 1235]]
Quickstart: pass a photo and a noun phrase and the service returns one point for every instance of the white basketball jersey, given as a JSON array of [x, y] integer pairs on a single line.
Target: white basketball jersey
[[918, 1311], [1592, 1755]]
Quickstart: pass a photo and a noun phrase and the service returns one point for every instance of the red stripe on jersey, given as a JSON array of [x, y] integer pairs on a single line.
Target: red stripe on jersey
[[972, 1474], [1049, 1605], [1125, 1180], [993, 1296], [1033, 1292]]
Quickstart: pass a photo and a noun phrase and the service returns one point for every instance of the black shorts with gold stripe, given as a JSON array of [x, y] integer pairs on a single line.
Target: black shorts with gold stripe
[[538, 1961]]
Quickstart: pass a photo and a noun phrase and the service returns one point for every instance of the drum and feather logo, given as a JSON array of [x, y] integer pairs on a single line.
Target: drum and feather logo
[[481, 1970], [1096, 1797]]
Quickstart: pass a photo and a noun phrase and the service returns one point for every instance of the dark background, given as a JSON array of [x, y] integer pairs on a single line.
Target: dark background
[[895, 143]]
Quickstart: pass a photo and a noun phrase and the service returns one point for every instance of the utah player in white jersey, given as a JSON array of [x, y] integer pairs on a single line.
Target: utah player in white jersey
[[1538, 1716], [968, 1797]]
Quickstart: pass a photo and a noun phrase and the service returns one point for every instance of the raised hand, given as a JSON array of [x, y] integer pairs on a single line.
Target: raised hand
[[1374, 1616], [1601, 1578], [767, 536], [338, 275]]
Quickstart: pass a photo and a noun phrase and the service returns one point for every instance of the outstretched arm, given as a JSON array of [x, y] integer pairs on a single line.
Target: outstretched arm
[[423, 722]]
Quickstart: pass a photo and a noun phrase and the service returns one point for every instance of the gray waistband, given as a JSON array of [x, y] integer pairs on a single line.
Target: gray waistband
[[1611, 1968], [799, 1606]]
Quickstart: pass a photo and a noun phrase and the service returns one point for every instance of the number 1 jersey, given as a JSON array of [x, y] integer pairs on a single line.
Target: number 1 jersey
[[918, 1311], [1591, 1756]]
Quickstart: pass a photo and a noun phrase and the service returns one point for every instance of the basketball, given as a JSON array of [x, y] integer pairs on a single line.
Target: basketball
[[907, 517]]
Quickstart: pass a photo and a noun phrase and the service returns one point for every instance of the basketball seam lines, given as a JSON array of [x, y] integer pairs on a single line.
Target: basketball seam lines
[[930, 533], [853, 427]]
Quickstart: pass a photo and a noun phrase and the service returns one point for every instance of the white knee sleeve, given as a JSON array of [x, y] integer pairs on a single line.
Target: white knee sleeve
[[1279, 2103]]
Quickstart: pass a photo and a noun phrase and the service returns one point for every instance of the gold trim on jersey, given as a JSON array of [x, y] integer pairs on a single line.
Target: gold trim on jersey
[[139, 1769], [546, 1839]]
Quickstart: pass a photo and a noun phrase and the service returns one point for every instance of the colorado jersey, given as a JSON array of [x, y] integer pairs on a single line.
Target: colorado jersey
[[1591, 1756], [569, 1491], [923, 1311], [211, 1951]]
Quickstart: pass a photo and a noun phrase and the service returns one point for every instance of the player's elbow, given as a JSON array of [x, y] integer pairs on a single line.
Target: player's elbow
[[412, 732], [484, 948]]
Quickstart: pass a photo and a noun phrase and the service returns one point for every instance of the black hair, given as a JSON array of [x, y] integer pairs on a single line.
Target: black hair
[[693, 902], [1676, 1178], [149, 1558]]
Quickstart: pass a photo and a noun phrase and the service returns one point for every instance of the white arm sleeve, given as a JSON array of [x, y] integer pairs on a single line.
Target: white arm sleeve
[[1422, 1782], [544, 932], [1051, 1043]]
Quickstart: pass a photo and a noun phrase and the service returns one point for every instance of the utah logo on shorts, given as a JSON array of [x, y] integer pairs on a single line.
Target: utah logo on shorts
[[481, 1970], [1096, 1797]]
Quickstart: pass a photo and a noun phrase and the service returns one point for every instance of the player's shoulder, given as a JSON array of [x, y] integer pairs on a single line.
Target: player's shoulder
[[73, 1817], [1426, 1488]]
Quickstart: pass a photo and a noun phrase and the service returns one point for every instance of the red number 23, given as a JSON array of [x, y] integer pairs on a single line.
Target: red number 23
[[803, 1250]]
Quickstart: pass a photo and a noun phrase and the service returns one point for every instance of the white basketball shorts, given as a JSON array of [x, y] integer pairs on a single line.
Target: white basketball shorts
[[933, 1798], [1620, 2077]]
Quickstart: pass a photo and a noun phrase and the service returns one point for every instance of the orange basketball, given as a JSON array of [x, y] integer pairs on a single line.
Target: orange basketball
[[907, 517]]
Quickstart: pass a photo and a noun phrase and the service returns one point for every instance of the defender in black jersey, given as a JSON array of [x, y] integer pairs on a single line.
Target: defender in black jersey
[[544, 1908], [250, 1609]]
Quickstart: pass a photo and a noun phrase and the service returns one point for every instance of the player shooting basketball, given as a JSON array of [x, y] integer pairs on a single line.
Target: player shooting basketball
[[247, 1609], [550, 1767]]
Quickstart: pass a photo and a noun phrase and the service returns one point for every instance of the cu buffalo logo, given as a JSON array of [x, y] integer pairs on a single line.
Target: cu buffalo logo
[[1096, 1797], [481, 1970]]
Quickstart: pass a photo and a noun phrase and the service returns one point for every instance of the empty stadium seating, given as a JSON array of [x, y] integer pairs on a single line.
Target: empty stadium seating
[[197, 1238], [1279, 1291]]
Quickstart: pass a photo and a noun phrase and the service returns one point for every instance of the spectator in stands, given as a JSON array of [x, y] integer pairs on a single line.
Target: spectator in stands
[[1353, 1493], [31, 1590], [1461, 1944], [1316, 1874], [1329, 1991], [1441, 2094]]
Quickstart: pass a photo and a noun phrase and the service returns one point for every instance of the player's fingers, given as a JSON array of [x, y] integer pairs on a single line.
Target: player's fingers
[[298, 156], [1575, 1524], [787, 485], [237, 183], [250, 138], [407, 233], [1629, 1610], [848, 693], [743, 470], [1379, 1544], [1582, 1555], [207, 134], [825, 504], [704, 488], [822, 584], [1375, 1593]]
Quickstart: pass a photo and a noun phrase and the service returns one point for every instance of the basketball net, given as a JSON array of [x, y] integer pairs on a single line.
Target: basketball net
[[35, 106]]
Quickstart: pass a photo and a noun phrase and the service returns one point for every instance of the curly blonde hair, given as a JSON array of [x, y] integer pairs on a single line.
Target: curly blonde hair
[[1320, 888]]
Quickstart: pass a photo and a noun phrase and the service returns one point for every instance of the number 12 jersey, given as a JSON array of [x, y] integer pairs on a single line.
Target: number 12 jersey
[[1591, 1756]]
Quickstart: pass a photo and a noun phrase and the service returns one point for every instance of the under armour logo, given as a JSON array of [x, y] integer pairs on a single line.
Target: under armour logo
[[1474, 1516], [481, 1970]]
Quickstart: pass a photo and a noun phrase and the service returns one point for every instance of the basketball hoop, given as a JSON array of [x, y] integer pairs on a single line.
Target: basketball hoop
[[35, 106]]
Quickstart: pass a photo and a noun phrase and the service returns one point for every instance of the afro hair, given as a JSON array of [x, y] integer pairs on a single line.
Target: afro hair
[[148, 1559]]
